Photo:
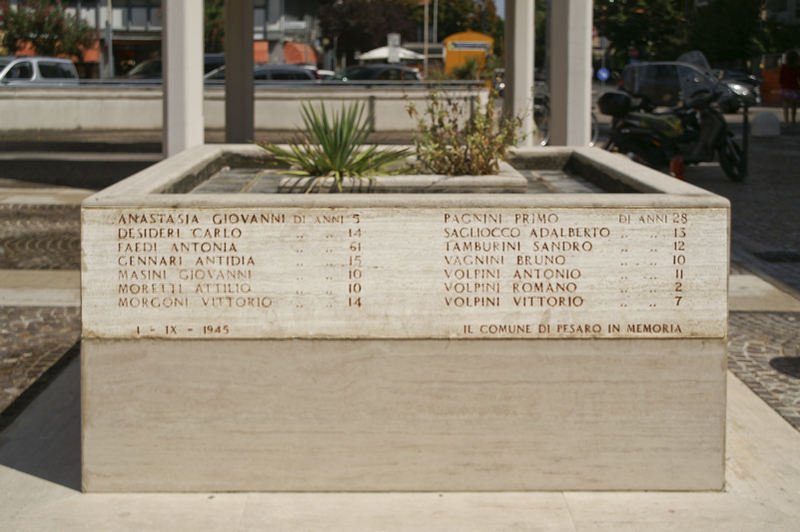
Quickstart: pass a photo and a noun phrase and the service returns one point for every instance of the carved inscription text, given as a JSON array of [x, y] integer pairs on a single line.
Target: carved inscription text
[[405, 273]]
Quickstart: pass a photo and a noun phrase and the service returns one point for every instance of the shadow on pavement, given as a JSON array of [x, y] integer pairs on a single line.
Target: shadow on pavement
[[46, 441], [787, 365]]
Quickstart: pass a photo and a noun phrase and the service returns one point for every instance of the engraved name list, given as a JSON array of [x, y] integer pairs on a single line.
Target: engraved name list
[[405, 273]]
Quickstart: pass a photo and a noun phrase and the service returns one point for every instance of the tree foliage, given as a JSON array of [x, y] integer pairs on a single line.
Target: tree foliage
[[455, 16], [361, 25], [655, 29], [214, 26], [779, 37], [540, 33], [46, 27], [727, 31]]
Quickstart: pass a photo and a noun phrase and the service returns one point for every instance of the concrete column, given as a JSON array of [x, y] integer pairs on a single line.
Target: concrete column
[[182, 55], [570, 43], [239, 95], [519, 61]]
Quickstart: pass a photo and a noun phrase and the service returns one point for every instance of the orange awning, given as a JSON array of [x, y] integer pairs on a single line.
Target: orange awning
[[260, 52], [298, 53]]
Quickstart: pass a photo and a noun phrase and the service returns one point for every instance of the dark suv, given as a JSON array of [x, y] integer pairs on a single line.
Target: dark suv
[[270, 73], [380, 72]]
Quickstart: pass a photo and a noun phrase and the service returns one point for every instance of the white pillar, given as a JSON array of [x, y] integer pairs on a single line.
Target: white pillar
[[182, 53], [519, 60], [570, 43], [239, 95]]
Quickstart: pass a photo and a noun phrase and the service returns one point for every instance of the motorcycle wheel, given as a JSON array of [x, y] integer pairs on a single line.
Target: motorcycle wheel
[[731, 159], [541, 116], [595, 132]]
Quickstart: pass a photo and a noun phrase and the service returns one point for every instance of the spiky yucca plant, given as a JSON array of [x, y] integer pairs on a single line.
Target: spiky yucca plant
[[334, 147]]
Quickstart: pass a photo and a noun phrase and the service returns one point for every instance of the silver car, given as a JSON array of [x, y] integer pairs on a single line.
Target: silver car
[[37, 71]]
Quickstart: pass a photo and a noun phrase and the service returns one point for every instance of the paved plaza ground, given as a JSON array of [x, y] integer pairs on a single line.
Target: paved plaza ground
[[39, 393]]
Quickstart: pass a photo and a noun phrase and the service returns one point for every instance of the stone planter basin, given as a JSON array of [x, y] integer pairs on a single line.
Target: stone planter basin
[[455, 334]]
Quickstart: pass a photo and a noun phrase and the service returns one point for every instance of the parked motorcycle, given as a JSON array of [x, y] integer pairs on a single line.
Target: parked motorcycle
[[692, 133]]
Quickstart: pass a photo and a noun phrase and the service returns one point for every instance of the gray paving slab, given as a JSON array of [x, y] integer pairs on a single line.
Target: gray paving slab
[[40, 288], [747, 292]]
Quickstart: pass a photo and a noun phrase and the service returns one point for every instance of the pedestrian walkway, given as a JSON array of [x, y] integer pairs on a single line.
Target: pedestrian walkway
[[39, 284]]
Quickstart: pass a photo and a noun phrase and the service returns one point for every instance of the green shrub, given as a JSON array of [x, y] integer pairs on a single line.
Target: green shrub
[[470, 70], [333, 147], [454, 139]]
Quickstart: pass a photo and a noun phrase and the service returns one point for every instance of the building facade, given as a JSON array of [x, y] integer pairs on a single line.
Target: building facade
[[135, 27]]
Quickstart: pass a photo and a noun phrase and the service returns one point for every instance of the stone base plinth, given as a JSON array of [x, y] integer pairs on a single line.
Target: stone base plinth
[[403, 415]]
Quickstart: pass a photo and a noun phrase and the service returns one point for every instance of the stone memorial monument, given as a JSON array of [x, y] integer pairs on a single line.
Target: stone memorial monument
[[385, 342]]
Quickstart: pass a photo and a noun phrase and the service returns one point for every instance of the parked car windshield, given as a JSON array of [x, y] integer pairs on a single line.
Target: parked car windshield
[[666, 83], [149, 69], [20, 71]]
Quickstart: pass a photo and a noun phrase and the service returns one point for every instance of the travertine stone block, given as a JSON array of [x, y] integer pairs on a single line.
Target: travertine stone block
[[359, 342], [386, 415]]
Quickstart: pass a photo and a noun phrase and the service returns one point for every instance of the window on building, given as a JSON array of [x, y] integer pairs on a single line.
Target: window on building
[[88, 15], [70, 7], [155, 17], [137, 15], [259, 20]]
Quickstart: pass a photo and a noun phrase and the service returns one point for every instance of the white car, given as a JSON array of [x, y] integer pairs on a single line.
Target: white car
[[20, 71]]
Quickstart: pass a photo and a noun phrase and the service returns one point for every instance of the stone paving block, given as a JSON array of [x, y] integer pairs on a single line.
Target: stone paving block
[[40, 237], [763, 207], [32, 339], [764, 352]]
